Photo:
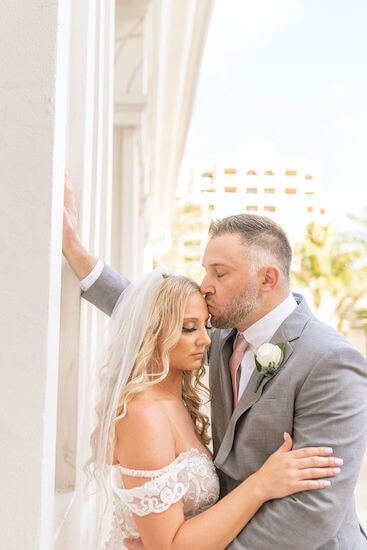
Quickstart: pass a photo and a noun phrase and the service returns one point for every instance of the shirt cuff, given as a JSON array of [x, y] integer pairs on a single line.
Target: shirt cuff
[[90, 279]]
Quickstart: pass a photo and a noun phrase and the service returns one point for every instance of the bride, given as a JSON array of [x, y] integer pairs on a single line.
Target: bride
[[150, 458]]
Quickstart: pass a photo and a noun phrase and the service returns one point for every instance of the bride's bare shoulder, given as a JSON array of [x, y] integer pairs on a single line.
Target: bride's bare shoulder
[[144, 436]]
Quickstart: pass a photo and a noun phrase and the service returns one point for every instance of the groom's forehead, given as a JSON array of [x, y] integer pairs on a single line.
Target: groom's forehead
[[222, 251]]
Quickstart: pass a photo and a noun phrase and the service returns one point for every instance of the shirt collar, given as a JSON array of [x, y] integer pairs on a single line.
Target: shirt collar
[[262, 331]]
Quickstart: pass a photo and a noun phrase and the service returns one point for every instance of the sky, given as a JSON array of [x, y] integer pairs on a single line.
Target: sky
[[284, 82]]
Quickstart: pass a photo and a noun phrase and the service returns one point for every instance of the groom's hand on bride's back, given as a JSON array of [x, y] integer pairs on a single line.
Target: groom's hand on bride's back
[[134, 544]]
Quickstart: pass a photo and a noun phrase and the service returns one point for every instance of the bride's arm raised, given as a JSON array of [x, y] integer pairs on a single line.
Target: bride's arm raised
[[145, 442]]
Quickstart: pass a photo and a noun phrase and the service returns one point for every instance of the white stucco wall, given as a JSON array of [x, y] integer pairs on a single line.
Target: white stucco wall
[[58, 108], [33, 68]]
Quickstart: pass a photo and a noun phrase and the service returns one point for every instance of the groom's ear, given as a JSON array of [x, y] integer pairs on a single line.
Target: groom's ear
[[269, 278]]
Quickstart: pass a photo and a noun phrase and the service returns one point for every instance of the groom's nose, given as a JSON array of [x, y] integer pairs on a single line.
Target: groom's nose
[[206, 286]]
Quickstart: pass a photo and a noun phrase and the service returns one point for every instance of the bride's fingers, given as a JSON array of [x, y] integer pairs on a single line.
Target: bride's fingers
[[310, 484], [311, 451], [316, 473], [318, 462], [287, 445]]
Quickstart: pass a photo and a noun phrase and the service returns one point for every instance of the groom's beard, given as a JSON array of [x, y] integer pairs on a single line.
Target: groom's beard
[[236, 312]]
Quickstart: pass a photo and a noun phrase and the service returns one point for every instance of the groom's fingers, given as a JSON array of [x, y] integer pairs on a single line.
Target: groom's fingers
[[318, 462], [311, 451]]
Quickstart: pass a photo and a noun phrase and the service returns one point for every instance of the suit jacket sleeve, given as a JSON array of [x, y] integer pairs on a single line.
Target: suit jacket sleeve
[[330, 410], [106, 290]]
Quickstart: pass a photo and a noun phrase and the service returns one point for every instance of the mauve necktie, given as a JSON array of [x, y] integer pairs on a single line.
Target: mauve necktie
[[235, 362]]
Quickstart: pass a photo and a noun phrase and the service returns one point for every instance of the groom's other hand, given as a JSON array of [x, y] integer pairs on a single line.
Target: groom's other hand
[[80, 260], [134, 544]]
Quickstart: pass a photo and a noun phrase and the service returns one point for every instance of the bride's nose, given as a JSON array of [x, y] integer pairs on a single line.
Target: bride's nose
[[204, 338]]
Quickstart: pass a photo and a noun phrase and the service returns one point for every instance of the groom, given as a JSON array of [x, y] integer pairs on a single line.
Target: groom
[[319, 395]]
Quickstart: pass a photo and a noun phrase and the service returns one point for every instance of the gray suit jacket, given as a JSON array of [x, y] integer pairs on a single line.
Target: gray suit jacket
[[319, 397]]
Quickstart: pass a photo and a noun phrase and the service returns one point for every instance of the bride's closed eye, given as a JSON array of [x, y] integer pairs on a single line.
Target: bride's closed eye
[[185, 329]]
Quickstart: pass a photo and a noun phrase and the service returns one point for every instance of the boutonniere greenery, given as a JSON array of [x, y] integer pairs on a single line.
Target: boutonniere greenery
[[268, 359]]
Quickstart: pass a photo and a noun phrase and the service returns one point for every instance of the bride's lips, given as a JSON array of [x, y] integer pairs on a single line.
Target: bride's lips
[[198, 355]]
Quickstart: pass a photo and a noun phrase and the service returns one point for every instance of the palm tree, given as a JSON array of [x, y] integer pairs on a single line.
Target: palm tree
[[188, 233], [334, 265]]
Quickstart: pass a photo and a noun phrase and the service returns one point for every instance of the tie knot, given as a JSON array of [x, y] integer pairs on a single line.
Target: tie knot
[[241, 343]]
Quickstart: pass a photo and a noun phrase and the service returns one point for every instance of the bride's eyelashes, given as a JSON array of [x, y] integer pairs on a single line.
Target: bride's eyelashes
[[184, 329]]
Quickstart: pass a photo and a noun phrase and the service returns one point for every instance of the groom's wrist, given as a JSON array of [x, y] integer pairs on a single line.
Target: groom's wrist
[[79, 258]]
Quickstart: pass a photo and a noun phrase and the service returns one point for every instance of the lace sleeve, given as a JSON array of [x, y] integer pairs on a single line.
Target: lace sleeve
[[158, 494]]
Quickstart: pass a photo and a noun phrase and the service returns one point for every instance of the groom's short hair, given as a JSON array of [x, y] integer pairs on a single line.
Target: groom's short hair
[[259, 233]]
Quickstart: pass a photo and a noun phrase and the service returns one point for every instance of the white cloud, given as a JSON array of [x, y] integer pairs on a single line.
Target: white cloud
[[263, 152], [336, 92], [239, 25]]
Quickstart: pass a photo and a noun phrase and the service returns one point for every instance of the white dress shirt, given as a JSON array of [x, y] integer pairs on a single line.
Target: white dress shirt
[[92, 277], [259, 333]]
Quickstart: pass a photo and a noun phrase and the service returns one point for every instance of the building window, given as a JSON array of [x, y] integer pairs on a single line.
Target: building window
[[269, 190], [230, 189], [309, 209], [269, 173], [251, 208], [251, 173], [192, 243], [207, 182], [191, 259], [269, 208], [291, 172], [230, 170], [211, 207], [251, 190], [291, 191], [308, 177]]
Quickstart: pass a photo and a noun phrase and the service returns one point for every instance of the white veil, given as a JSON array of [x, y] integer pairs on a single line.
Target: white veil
[[129, 323]]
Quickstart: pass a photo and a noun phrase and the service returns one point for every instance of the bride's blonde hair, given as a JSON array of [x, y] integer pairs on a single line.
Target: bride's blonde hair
[[151, 366]]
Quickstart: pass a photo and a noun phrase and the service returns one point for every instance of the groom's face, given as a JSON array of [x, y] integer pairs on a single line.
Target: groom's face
[[230, 286]]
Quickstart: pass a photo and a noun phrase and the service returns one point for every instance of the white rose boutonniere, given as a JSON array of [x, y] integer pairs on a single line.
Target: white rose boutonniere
[[268, 361]]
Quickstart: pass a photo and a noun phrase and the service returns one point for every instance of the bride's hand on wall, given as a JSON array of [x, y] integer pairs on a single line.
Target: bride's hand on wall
[[286, 472]]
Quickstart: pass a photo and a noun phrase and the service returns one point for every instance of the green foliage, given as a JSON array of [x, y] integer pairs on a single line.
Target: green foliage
[[335, 264]]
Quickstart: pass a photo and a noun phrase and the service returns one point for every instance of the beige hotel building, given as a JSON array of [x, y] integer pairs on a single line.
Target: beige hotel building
[[221, 188], [289, 196]]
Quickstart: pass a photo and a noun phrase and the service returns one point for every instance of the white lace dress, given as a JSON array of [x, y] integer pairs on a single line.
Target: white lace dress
[[191, 477]]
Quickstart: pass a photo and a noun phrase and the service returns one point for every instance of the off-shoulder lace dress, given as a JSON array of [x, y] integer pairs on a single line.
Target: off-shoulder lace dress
[[191, 477]]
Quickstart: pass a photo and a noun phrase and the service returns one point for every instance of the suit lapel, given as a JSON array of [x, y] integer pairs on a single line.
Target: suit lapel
[[288, 331]]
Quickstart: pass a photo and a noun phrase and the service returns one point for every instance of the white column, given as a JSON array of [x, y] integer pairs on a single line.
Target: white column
[[33, 70], [90, 165], [130, 173], [126, 215]]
